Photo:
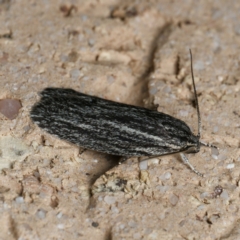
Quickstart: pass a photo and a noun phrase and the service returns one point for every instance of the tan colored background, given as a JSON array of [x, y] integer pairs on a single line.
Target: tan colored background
[[133, 52]]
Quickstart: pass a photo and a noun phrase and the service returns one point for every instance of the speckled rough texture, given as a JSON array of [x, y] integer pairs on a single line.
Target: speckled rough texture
[[132, 52]]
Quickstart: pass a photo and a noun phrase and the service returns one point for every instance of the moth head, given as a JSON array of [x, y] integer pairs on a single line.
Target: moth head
[[193, 148]]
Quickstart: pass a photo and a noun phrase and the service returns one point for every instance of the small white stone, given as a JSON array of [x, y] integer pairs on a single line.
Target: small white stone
[[41, 214], [224, 195], [162, 216], [115, 210], [153, 90], [215, 153], [173, 199], [109, 200], [60, 226], [230, 165], [46, 162], [122, 226], [110, 78], [19, 200], [167, 175], [215, 129], [201, 207], [143, 165], [91, 41], [222, 157], [137, 236], [75, 73], [163, 189], [204, 195], [85, 78], [220, 78], [183, 113], [132, 224], [6, 206]]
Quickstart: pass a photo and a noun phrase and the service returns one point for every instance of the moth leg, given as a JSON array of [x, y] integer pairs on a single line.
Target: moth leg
[[186, 161]]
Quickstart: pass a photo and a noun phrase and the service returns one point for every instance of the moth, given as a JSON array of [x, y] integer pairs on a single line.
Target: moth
[[115, 128]]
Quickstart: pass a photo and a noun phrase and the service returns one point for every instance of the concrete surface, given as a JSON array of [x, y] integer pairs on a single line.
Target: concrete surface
[[132, 52]]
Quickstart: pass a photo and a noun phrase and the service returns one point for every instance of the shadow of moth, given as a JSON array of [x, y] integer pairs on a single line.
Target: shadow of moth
[[115, 128]]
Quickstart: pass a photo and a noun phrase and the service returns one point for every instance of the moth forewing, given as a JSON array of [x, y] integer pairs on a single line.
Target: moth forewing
[[109, 127]]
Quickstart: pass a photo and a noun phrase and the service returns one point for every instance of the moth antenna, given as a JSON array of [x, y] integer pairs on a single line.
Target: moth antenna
[[198, 111], [196, 98]]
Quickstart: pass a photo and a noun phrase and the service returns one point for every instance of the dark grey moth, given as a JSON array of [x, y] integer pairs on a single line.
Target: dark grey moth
[[114, 128]]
